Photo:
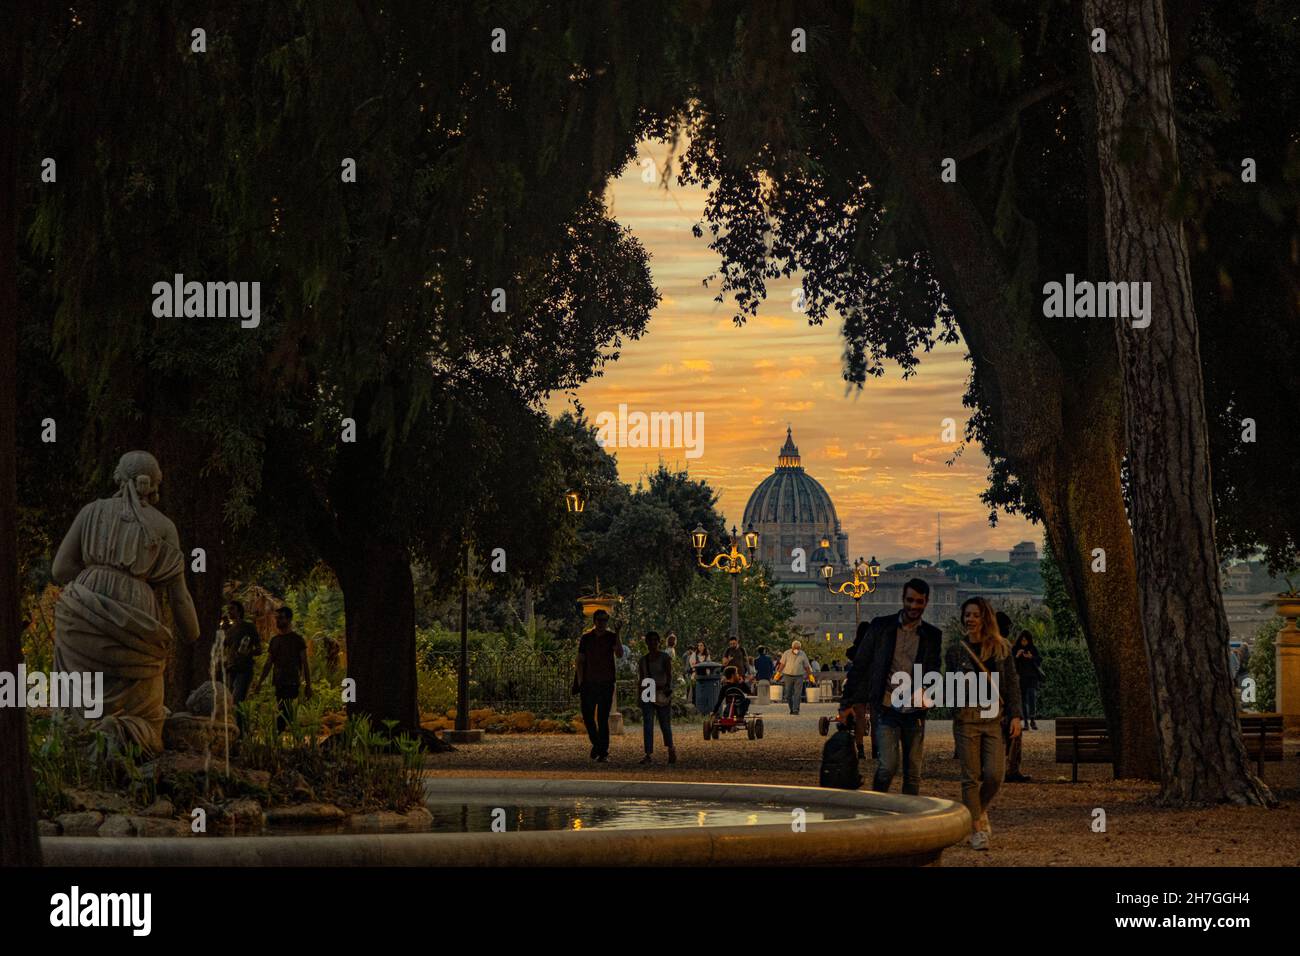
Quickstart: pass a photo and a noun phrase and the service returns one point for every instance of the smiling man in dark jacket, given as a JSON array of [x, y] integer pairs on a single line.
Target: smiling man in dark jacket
[[888, 646]]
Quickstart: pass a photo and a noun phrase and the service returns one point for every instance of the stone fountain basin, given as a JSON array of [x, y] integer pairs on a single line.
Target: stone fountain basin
[[897, 830]]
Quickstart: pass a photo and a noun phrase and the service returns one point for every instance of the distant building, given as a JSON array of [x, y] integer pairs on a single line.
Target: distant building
[[790, 509], [1237, 578], [1026, 552]]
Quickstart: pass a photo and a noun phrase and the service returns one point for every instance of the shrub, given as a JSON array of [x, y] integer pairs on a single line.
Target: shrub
[[1070, 685], [1263, 666]]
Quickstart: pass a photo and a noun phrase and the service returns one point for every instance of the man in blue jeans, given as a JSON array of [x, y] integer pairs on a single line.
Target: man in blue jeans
[[887, 650]]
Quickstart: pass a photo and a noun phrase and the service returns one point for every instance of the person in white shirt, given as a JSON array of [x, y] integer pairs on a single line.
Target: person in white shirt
[[793, 670]]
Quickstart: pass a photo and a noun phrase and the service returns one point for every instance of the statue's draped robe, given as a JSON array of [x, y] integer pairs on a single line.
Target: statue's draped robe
[[107, 620]]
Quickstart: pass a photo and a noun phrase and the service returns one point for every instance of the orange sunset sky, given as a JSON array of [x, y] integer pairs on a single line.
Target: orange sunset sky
[[877, 451]]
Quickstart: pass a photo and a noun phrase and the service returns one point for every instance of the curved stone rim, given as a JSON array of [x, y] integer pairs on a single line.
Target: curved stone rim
[[907, 830]]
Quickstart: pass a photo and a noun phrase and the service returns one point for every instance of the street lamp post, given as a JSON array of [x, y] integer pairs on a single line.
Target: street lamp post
[[731, 561], [863, 583], [462, 733], [462, 675]]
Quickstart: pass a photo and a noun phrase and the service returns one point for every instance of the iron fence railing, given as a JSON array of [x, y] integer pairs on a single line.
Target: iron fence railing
[[506, 683]]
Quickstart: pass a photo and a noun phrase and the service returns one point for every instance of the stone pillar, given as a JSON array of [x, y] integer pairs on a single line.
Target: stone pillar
[[1287, 676], [615, 715]]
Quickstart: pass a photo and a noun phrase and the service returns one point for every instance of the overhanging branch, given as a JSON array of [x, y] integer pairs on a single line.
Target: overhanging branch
[[1007, 122]]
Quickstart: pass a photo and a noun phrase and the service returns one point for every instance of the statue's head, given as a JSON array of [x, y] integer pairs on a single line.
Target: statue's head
[[140, 469]]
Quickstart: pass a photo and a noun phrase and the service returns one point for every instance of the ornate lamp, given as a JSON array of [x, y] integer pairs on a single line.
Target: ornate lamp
[[863, 583], [730, 561]]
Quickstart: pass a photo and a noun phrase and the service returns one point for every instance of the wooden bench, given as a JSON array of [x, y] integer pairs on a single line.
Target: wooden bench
[[1082, 740], [1262, 734], [1087, 740]]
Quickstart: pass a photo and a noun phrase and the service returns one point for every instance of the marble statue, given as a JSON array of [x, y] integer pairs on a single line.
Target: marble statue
[[118, 554]]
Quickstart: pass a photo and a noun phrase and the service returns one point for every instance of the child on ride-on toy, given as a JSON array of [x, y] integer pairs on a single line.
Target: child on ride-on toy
[[732, 701]]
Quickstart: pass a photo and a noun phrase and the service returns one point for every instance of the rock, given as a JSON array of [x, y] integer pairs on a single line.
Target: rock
[[100, 800], [185, 731], [260, 779], [388, 821], [85, 823], [304, 815], [175, 762], [48, 828], [162, 807], [294, 784], [151, 827], [242, 814], [209, 698], [117, 826]]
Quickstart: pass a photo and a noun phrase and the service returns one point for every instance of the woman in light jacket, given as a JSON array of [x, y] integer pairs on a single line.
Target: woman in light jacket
[[985, 653]]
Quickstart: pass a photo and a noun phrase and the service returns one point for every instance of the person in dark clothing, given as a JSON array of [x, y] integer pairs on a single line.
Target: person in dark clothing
[[655, 680], [734, 656], [764, 666], [594, 681], [1029, 668], [884, 650], [286, 661], [1011, 744], [243, 645]]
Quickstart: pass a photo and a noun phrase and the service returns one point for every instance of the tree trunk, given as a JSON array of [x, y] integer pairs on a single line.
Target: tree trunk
[[379, 602], [19, 844], [1202, 757], [1044, 417], [194, 502], [1083, 509]]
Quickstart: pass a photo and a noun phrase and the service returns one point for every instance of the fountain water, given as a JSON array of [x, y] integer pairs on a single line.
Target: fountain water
[[217, 659]]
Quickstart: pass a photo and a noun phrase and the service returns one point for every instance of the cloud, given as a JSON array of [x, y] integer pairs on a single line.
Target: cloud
[[913, 440], [934, 456], [697, 365]]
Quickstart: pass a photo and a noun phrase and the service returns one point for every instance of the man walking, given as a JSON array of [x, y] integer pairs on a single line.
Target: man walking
[[243, 645], [733, 655], [794, 669], [594, 681], [286, 661], [886, 652], [764, 668]]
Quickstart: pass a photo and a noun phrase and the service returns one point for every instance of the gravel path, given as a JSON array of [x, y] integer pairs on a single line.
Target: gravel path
[[1047, 822]]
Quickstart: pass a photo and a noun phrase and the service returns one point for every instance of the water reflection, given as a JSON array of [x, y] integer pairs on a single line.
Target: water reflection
[[456, 815]]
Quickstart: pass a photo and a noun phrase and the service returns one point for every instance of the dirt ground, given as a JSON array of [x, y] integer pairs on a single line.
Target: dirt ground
[[1047, 822]]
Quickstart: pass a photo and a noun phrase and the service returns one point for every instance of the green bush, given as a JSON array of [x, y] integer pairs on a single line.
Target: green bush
[[1263, 667], [436, 687], [1070, 685]]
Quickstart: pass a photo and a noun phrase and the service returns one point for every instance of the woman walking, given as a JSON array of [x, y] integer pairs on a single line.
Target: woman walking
[[655, 680], [985, 653], [697, 656], [1029, 668]]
